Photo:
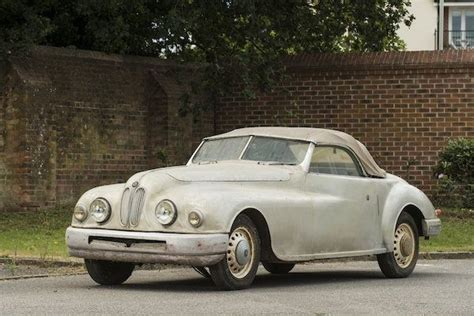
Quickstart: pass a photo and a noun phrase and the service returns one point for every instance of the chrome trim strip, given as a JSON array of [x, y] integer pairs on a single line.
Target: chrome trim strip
[[245, 148]]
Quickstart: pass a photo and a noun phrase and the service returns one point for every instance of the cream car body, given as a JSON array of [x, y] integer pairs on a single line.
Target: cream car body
[[300, 215]]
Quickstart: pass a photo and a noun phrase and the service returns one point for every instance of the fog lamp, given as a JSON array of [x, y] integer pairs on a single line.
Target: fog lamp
[[80, 213], [195, 218]]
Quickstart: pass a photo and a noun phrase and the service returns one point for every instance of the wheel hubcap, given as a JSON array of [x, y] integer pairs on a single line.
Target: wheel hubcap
[[240, 252], [404, 245]]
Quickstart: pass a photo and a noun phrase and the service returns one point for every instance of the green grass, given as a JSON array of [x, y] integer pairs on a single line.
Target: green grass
[[41, 234], [457, 233], [35, 234]]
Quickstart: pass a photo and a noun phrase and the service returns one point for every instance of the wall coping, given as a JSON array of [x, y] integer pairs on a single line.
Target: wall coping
[[32, 74], [96, 55], [447, 59]]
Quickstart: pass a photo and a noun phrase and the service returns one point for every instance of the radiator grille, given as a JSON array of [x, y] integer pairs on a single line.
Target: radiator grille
[[131, 207], [124, 207]]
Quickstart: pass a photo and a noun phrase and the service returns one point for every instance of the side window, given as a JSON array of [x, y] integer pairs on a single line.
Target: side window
[[333, 160]]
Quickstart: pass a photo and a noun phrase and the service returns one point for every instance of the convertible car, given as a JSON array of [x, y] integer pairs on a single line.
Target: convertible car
[[274, 195]]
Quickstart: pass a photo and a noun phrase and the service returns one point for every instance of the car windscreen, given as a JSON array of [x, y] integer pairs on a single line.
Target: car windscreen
[[221, 149], [276, 150]]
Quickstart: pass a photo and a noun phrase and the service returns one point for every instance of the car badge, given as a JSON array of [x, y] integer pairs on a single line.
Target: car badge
[[135, 184]]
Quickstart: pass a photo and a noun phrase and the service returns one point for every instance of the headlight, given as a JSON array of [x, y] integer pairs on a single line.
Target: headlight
[[80, 213], [166, 212], [195, 218], [100, 210]]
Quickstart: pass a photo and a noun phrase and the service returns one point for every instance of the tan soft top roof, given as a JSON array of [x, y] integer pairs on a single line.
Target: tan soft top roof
[[317, 136]]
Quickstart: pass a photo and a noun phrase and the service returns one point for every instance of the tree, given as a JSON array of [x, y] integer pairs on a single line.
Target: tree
[[240, 41]]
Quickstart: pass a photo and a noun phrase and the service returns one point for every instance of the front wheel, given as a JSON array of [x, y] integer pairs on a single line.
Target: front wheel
[[401, 262], [238, 268], [109, 272]]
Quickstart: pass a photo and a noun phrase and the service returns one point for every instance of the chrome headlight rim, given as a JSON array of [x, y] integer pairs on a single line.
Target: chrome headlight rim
[[93, 211], [171, 218], [193, 215], [78, 210]]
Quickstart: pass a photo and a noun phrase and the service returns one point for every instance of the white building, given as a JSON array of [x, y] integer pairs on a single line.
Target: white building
[[457, 21]]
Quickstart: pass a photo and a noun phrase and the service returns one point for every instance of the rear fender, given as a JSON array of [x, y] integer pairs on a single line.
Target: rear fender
[[401, 196]]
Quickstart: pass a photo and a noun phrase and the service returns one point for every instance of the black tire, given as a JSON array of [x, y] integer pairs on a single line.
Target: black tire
[[278, 268], [388, 263], [109, 272], [221, 273]]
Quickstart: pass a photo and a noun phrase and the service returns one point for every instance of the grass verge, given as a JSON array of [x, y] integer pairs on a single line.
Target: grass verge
[[457, 233], [34, 234], [41, 234]]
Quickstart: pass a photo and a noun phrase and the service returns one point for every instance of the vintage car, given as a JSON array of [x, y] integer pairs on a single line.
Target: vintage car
[[273, 195]]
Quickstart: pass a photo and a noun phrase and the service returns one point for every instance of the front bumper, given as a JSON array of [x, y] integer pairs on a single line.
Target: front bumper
[[146, 247], [431, 227]]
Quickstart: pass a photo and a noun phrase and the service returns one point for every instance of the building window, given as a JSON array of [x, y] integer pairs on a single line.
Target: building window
[[461, 28]]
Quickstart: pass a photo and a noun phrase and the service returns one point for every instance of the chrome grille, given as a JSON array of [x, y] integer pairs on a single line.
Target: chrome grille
[[132, 204], [124, 207], [137, 204]]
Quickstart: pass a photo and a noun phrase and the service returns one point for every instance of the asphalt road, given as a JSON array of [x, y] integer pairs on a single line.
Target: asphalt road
[[436, 287]]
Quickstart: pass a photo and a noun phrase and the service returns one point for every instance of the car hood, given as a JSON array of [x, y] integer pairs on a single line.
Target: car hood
[[226, 172]]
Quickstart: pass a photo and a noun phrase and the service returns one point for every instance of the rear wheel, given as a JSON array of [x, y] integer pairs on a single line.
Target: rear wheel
[[401, 262], [109, 272], [239, 267], [278, 268]]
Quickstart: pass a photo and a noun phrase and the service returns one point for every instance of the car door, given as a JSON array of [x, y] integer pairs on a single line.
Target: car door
[[344, 201]]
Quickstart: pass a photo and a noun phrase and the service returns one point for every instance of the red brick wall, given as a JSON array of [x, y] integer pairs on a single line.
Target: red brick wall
[[73, 120], [403, 106]]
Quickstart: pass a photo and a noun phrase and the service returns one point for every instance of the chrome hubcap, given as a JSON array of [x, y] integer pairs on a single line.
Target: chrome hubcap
[[240, 252], [404, 245]]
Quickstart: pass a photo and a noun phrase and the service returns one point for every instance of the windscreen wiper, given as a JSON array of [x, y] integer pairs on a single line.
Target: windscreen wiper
[[276, 163], [207, 162]]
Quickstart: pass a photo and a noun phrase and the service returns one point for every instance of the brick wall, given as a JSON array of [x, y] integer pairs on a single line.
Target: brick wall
[[75, 120], [71, 120], [403, 106]]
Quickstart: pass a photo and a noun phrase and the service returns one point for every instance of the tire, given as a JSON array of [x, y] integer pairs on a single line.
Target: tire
[[109, 272], [278, 268], [236, 272], [402, 261]]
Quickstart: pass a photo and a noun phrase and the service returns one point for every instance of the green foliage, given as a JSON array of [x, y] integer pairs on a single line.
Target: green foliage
[[455, 171], [114, 26], [241, 41]]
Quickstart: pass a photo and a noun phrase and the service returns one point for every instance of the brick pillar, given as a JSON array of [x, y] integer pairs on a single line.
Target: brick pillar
[[179, 127], [157, 123]]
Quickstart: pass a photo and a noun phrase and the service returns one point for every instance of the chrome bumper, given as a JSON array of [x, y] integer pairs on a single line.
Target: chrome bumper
[[431, 227], [146, 247]]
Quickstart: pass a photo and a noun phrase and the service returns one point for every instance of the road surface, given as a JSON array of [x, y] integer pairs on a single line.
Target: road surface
[[436, 287]]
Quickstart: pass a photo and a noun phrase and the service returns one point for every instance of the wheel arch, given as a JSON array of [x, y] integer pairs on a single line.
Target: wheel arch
[[417, 215], [263, 231], [404, 197], [390, 222]]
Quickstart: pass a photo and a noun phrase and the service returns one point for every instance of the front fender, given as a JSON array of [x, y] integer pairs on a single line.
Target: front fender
[[220, 203], [112, 193], [400, 196]]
